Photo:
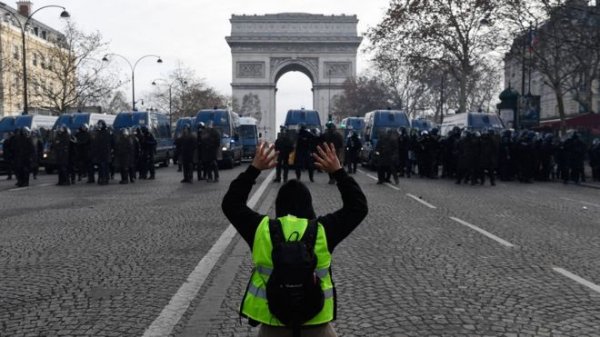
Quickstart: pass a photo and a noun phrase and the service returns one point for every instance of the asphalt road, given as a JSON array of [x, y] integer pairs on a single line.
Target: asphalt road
[[431, 259]]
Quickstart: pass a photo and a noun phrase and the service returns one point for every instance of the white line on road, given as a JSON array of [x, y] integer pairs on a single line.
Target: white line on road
[[583, 202], [375, 178], [171, 314], [421, 201], [577, 279], [486, 233], [18, 189]]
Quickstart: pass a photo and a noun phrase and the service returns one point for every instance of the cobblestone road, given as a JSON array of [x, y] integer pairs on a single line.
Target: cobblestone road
[[104, 261]]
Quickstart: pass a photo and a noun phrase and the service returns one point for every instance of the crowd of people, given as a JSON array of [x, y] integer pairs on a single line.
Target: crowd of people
[[198, 151], [89, 152], [463, 155], [473, 157], [468, 157]]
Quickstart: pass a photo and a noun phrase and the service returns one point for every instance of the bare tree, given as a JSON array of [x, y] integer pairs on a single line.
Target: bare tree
[[74, 76], [361, 95], [189, 94], [455, 36]]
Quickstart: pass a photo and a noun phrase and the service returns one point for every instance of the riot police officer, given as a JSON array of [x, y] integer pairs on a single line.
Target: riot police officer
[[62, 149], [187, 144], [102, 146], [284, 147], [304, 146], [124, 155], [332, 136], [148, 148], [353, 147]]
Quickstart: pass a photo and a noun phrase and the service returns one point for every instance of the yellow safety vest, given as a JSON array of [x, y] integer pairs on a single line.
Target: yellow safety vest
[[254, 304]]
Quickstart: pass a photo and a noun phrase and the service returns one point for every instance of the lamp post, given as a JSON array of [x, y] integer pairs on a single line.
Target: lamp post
[[22, 25], [170, 95], [132, 66]]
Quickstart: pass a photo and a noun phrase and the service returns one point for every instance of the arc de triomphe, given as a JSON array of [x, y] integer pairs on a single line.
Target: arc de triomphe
[[265, 47]]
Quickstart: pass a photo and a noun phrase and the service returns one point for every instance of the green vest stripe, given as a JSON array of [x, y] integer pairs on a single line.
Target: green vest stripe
[[255, 301]]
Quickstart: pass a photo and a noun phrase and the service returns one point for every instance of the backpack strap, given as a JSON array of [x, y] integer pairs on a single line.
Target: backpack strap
[[276, 232], [310, 234]]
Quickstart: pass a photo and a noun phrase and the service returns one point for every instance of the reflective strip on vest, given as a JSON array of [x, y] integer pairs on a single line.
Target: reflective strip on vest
[[321, 273], [262, 293]]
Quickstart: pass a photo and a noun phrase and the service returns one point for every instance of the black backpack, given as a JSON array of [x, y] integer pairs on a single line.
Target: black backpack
[[294, 293]]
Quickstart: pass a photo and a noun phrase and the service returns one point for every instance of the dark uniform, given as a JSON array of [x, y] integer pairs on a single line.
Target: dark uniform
[[353, 147], [332, 136], [124, 156], [23, 155], [594, 155], [62, 149], [284, 146], [148, 148], [575, 149], [186, 146], [304, 147], [211, 140], [102, 149], [488, 158], [467, 149], [9, 153], [83, 154]]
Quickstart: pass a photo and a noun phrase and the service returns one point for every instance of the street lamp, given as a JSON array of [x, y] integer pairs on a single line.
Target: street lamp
[[64, 15], [159, 60], [170, 96]]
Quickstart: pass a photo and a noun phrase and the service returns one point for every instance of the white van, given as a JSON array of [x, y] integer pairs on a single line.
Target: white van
[[474, 121]]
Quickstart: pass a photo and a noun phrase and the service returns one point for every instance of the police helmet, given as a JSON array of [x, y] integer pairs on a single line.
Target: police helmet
[[201, 126], [125, 132], [596, 141], [101, 124], [424, 133], [84, 127], [330, 125], [25, 131], [144, 129]]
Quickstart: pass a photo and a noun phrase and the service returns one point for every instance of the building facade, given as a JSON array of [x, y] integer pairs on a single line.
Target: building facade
[[42, 43], [521, 75]]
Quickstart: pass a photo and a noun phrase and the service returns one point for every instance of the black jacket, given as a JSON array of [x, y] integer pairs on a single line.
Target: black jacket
[[338, 225]]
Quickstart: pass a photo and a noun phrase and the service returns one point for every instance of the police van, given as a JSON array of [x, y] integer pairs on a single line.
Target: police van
[[474, 121], [181, 124], [249, 136], [376, 122], [297, 118], [157, 123], [355, 124], [421, 124], [227, 123], [39, 123]]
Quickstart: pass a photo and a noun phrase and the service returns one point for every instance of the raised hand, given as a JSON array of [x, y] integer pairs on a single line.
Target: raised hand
[[326, 158], [265, 157]]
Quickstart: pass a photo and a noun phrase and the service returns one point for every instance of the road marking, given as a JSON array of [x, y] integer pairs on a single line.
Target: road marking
[[421, 201], [486, 233], [171, 314], [577, 279], [18, 189], [583, 202]]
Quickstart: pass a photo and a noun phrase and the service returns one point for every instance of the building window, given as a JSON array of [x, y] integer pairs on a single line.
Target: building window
[[16, 52], [43, 62], [16, 81], [35, 59], [36, 31], [44, 35]]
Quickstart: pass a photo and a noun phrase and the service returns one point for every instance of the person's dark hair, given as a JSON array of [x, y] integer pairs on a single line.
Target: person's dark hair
[[294, 199]]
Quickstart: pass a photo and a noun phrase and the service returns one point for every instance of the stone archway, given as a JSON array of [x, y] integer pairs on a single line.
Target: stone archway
[[265, 47]]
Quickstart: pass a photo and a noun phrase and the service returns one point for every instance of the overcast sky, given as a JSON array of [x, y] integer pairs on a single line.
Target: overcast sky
[[193, 32]]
